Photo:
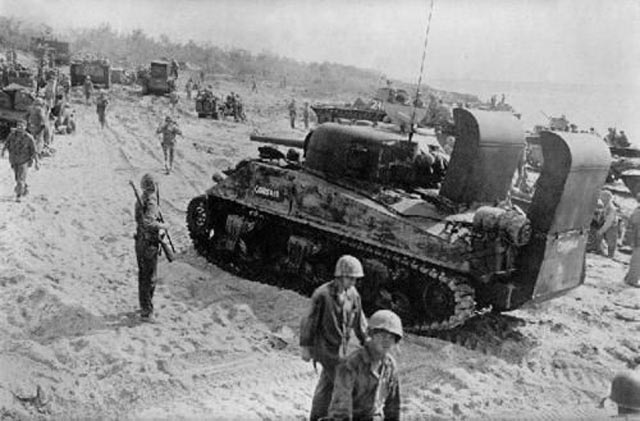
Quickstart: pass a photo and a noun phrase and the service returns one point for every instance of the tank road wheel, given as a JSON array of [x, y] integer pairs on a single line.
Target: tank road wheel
[[199, 230], [447, 301]]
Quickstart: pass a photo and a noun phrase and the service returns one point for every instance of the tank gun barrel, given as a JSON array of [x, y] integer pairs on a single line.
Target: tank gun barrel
[[293, 143]]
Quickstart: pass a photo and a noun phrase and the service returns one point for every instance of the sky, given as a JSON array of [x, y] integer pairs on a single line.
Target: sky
[[563, 41]]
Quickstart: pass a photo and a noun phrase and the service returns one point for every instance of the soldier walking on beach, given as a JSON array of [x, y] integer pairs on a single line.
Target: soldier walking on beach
[[101, 108], [22, 154], [88, 88], [366, 385], [609, 230], [174, 98], [292, 113], [633, 231], [37, 125], [169, 130], [189, 88], [147, 240], [306, 112], [336, 309]]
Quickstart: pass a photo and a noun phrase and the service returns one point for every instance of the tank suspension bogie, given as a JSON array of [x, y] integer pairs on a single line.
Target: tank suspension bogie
[[298, 256]]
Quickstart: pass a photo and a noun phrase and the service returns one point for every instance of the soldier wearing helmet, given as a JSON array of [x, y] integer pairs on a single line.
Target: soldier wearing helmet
[[169, 130], [625, 392], [358, 393], [336, 309], [22, 153], [147, 213], [101, 108], [608, 232], [88, 88], [633, 234]]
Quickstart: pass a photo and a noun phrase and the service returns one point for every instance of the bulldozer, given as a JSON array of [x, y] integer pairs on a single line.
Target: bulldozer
[[437, 248]]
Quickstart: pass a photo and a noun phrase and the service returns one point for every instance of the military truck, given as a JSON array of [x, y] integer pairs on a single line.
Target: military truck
[[157, 80], [98, 69], [436, 249]]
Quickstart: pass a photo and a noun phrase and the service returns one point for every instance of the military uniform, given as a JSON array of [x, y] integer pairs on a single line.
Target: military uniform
[[326, 332], [169, 132], [147, 249], [361, 392], [88, 89], [36, 125], [292, 114], [633, 227], [22, 153], [101, 109]]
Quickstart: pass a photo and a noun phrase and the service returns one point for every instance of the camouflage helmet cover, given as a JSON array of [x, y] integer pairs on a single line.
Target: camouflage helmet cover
[[625, 390]]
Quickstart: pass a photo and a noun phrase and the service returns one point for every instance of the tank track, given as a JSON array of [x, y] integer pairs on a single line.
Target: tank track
[[456, 286]]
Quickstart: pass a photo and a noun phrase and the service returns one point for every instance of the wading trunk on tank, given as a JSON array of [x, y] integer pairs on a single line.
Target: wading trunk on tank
[[433, 255]]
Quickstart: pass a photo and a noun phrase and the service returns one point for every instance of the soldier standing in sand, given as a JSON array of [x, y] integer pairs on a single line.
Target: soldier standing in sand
[[22, 154], [292, 113], [88, 88], [147, 240], [169, 130], [625, 392], [366, 385], [609, 230], [633, 227], [101, 108], [336, 309], [37, 125], [306, 112]]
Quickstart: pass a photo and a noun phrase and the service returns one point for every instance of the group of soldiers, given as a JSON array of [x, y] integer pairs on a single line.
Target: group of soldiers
[[293, 113]]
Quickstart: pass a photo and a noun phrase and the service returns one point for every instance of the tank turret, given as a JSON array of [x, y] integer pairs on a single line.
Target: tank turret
[[437, 243]]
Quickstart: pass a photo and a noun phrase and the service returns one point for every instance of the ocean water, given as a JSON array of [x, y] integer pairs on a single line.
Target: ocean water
[[597, 106]]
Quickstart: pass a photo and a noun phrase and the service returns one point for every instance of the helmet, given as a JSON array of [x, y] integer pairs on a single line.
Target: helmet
[[349, 266], [148, 183], [625, 390], [386, 320], [167, 118]]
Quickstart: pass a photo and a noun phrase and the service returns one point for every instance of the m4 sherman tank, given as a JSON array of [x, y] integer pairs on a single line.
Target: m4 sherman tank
[[434, 255]]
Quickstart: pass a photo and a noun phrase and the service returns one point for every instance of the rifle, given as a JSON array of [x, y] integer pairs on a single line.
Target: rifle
[[169, 249]]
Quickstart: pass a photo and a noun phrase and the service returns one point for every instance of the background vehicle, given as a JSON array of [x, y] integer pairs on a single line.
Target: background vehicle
[[98, 69], [157, 79]]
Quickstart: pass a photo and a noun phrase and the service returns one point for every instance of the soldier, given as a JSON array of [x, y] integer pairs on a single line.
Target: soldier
[[254, 85], [633, 228], [189, 88], [238, 109], [336, 308], [625, 392], [609, 229], [174, 98], [36, 125], [306, 111], [292, 113], [65, 123], [22, 154], [174, 68], [101, 108], [169, 132], [88, 88], [147, 240], [366, 385]]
